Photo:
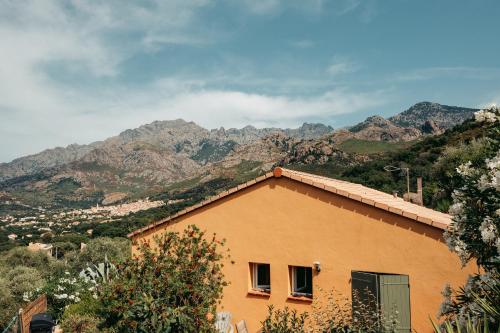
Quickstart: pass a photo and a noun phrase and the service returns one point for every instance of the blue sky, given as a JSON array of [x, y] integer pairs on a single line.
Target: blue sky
[[81, 71]]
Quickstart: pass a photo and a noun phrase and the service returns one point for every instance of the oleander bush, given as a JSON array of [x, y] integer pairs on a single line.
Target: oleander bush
[[173, 285], [474, 234]]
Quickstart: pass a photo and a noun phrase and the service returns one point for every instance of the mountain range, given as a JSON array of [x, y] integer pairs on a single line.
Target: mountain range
[[165, 154]]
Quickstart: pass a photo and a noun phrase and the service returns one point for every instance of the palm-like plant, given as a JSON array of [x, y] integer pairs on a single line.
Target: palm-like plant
[[100, 273], [490, 302], [470, 327]]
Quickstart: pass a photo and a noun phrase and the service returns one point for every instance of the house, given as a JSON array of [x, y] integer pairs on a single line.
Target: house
[[292, 234], [35, 247]]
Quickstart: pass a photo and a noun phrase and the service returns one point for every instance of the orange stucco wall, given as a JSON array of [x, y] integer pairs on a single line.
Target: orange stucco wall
[[283, 222]]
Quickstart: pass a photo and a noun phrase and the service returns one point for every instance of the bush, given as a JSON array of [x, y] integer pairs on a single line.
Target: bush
[[23, 281], [333, 313], [481, 326], [7, 304], [475, 231], [38, 260], [65, 290], [284, 321], [78, 323], [173, 286], [116, 249]]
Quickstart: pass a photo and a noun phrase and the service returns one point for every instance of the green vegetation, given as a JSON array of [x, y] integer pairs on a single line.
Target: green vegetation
[[355, 146], [212, 151], [173, 287], [333, 313], [284, 321], [434, 158], [24, 275]]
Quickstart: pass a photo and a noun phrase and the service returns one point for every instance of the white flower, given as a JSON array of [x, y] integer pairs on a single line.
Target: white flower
[[488, 231], [465, 169], [483, 183], [495, 180], [493, 163], [27, 296], [486, 116], [460, 248], [456, 209]]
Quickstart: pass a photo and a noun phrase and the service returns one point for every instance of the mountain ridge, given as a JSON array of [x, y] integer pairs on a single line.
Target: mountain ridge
[[148, 158]]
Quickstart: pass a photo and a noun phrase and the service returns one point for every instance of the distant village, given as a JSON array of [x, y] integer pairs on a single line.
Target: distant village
[[43, 223]]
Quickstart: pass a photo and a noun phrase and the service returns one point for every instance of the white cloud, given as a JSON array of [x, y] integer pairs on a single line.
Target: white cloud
[[303, 43], [342, 65], [236, 109], [96, 119], [477, 73], [88, 38], [272, 7]]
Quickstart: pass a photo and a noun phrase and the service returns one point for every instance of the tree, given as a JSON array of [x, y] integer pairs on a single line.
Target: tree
[[22, 281], [115, 249], [475, 231], [174, 285]]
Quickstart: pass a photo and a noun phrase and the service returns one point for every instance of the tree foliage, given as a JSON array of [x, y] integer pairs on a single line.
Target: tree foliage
[[172, 286], [475, 231], [97, 250]]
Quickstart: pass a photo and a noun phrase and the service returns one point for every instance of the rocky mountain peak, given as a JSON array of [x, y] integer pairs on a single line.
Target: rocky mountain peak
[[443, 116]]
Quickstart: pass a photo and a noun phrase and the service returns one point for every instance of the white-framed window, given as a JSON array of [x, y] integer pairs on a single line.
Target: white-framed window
[[301, 281], [261, 276]]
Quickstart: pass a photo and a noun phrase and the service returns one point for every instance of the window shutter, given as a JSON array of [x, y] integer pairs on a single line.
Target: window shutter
[[395, 295], [365, 287]]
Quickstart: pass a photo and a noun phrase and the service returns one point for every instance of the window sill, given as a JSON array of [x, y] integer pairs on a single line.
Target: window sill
[[305, 299], [258, 293]]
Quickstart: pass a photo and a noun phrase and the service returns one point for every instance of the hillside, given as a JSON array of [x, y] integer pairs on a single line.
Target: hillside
[[149, 159], [141, 161], [434, 158]]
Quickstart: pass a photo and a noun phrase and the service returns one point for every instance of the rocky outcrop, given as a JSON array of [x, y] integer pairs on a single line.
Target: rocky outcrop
[[443, 116], [377, 128]]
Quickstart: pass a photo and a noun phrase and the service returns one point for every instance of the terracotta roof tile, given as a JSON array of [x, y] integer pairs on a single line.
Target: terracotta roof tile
[[353, 191]]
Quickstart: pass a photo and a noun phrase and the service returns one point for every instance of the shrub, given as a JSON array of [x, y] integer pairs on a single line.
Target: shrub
[[88, 305], [173, 286], [475, 231], [284, 321], [115, 249], [7, 304], [65, 290], [22, 281], [38, 260], [78, 323], [333, 313], [481, 326]]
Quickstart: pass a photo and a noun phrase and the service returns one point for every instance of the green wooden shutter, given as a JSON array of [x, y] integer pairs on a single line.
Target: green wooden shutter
[[366, 285], [395, 296]]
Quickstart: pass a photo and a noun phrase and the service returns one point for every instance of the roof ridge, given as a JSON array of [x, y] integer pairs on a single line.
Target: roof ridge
[[354, 191]]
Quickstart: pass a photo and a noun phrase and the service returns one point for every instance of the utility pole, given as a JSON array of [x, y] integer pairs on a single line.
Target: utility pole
[[407, 170], [392, 168]]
